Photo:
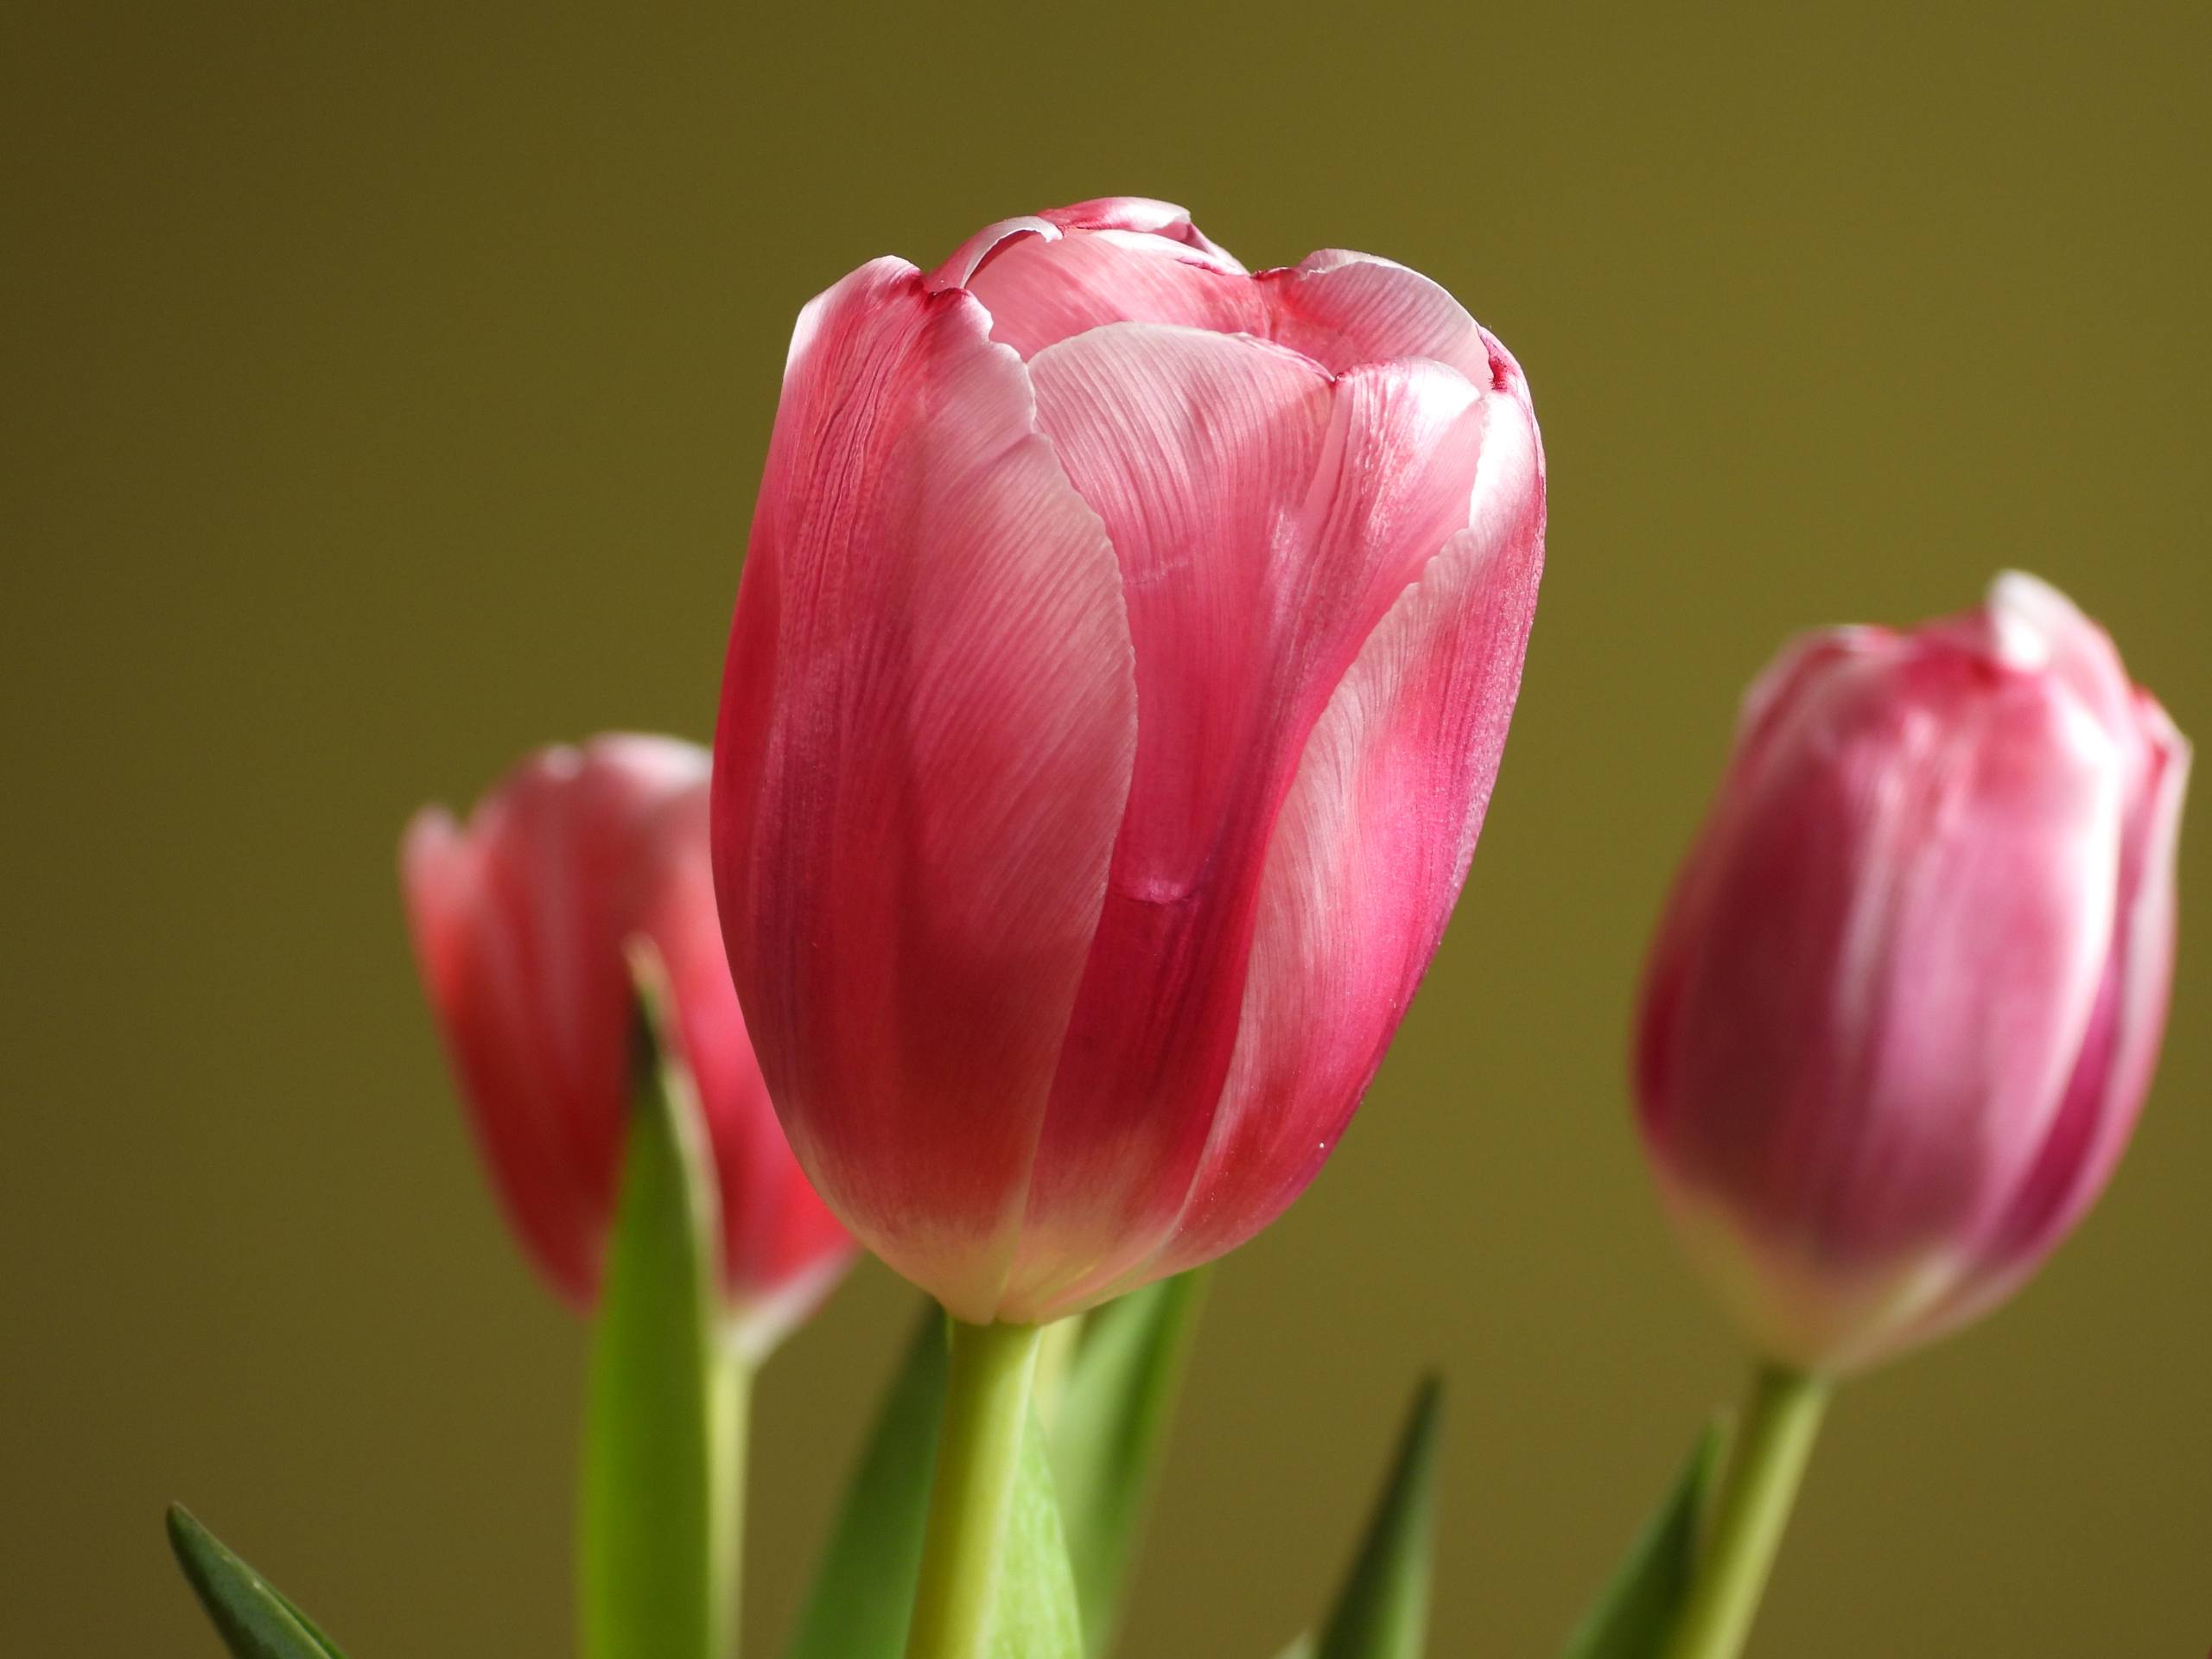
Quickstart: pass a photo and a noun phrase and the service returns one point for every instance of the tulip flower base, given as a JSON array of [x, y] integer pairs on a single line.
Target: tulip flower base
[[1124, 656]]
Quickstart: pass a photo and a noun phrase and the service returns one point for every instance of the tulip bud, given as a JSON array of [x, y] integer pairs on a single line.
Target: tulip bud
[[1124, 652], [1905, 1004], [521, 919]]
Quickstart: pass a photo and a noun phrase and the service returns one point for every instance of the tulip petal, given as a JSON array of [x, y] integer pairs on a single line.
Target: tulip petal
[[1368, 857], [1144, 214], [1342, 309], [520, 931], [532, 1167], [1894, 972], [2094, 1124], [1266, 519], [1163, 219], [2036, 626], [926, 732], [1041, 290]]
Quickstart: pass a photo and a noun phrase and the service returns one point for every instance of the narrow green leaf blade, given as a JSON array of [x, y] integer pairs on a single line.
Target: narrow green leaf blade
[[650, 1579], [1036, 1617], [1109, 1432], [1382, 1610], [863, 1590], [252, 1617], [1635, 1613]]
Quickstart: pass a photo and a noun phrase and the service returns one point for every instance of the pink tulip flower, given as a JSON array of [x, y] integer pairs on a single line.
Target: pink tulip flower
[[1124, 653], [521, 920], [1903, 1010]]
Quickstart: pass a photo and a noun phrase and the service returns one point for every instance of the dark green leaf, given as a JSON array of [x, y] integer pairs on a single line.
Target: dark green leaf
[[652, 1580], [1383, 1612], [252, 1617], [863, 1588], [1634, 1614], [1107, 1433]]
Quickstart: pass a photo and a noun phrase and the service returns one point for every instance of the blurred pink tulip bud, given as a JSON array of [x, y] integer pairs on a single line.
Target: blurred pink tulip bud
[[521, 919], [1905, 1006], [1124, 653]]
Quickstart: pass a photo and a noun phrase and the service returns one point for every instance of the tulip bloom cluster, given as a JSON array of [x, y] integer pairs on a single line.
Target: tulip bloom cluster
[[1122, 662]]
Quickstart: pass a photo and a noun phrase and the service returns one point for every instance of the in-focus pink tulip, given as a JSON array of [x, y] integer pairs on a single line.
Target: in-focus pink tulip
[[1904, 1007], [521, 920], [1124, 652]]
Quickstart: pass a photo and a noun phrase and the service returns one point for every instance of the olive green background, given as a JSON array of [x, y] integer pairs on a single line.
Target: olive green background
[[384, 390]]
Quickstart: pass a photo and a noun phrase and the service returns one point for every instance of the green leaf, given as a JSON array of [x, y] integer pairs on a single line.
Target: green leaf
[[252, 1615], [1382, 1610], [1036, 1617], [1634, 1614], [1301, 1648], [863, 1590], [1107, 1433], [653, 1581]]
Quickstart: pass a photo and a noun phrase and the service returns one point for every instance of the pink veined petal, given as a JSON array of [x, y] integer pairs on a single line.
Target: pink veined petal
[[1886, 967], [970, 255], [2098, 1117], [1154, 218], [532, 1006], [1160, 220], [1266, 519], [1342, 309], [924, 752], [1041, 290], [1368, 859]]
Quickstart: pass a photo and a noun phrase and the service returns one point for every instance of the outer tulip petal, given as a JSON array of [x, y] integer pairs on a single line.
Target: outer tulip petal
[[1880, 972], [2104, 1098], [1368, 857], [519, 926], [1265, 520], [534, 1169], [926, 732], [1342, 309]]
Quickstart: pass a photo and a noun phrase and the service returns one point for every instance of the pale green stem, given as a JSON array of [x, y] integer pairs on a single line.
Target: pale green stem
[[1773, 1444], [979, 1449], [729, 1423]]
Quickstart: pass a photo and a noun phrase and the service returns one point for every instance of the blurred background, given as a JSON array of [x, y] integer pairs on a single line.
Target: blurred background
[[384, 390]]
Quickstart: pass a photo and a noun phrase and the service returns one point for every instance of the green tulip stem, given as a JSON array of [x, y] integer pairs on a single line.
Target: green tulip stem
[[986, 1405], [729, 1409], [1773, 1444]]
